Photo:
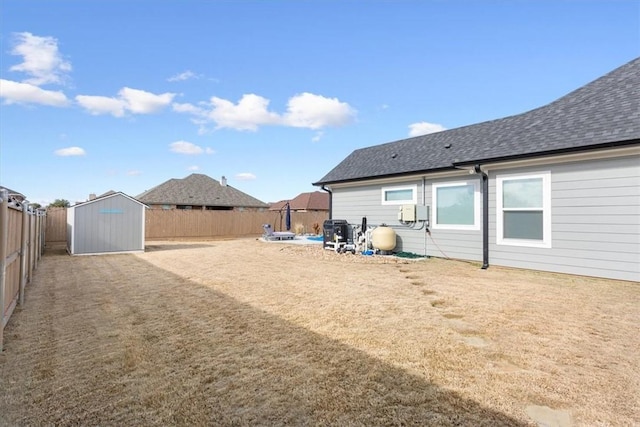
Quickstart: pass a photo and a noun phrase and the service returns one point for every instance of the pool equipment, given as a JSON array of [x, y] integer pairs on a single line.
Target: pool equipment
[[383, 239]]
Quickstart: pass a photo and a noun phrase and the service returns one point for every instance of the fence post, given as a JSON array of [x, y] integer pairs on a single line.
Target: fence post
[[43, 229], [36, 240], [23, 249], [30, 250], [4, 236], [40, 233]]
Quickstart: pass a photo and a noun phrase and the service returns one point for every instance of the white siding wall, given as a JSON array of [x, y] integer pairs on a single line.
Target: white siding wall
[[595, 221]]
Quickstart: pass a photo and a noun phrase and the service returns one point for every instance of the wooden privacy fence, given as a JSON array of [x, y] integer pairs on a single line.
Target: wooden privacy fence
[[197, 224], [21, 245], [56, 227]]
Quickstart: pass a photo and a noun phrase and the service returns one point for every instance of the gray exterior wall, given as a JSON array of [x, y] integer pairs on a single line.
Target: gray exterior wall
[[111, 224], [595, 219], [353, 203]]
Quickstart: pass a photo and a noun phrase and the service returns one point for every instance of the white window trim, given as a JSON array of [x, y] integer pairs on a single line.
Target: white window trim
[[546, 211], [413, 200], [476, 206]]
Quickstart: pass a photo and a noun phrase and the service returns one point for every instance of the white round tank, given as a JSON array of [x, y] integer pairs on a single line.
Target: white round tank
[[383, 238]]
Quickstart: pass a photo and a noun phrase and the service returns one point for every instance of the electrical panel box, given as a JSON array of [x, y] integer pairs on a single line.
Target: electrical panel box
[[422, 213], [407, 213]]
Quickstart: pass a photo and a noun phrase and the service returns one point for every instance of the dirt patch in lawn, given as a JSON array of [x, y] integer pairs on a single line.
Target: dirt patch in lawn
[[245, 332]]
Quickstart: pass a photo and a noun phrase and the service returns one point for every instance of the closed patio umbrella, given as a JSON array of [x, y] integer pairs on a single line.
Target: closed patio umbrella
[[287, 218]]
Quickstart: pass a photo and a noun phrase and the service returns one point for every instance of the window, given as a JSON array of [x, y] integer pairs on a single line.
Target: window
[[524, 209], [456, 205], [399, 195]]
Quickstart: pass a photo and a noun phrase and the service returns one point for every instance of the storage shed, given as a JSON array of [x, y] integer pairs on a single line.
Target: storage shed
[[109, 224]]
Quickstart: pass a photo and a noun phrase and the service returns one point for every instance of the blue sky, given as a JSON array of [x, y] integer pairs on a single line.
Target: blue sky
[[123, 95]]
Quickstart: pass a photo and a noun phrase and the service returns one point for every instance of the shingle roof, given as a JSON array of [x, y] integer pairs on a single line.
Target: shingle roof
[[314, 201], [198, 189], [602, 113]]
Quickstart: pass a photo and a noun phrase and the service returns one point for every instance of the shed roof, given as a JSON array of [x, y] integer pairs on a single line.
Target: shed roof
[[108, 195], [603, 113], [198, 189]]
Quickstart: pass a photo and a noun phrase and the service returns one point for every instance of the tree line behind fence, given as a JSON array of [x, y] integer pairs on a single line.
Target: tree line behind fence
[[196, 224]]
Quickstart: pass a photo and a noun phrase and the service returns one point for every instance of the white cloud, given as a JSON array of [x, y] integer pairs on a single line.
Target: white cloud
[[41, 59], [200, 116], [188, 108], [70, 151], [193, 168], [142, 102], [245, 176], [315, 111], [424, 128], [134, 172], [129, 100], [305, 110], [317, 136], [185, 75], [250, 112], [184, 147], [14, 92], [97, 105]]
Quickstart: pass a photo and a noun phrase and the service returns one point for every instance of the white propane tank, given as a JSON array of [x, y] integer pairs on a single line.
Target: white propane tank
[[383, 238]]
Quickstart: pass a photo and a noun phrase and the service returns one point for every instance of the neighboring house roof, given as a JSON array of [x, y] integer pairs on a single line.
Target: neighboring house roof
[[603, 113], [313, 201], [198, 189]]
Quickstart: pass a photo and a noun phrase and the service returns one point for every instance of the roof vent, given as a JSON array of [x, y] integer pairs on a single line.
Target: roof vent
[[447, 146], [223, 181], [394, 155]]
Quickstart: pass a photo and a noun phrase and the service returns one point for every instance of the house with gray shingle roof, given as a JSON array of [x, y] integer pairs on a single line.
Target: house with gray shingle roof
[[556, 188], [199, 192]]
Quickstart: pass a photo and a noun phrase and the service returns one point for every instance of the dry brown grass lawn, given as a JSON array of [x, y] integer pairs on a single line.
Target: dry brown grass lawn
[[245, 332]]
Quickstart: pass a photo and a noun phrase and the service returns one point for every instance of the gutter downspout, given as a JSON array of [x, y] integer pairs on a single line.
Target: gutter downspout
[[424, 202], [330, 201], [485, 216]]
